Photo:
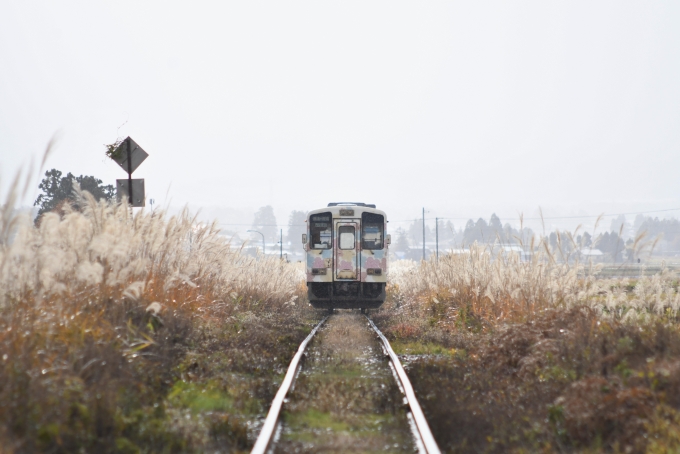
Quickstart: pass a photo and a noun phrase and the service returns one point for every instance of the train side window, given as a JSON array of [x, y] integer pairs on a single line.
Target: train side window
[[346, 234], [372, 231], [320, 230]]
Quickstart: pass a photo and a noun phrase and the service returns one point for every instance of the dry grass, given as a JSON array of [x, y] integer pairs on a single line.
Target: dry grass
[[540, 355], [149, 333], [566, 382], [98, 310], [481, 291]]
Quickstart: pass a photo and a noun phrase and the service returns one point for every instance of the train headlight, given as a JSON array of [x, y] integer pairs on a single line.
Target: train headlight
[[374, 271], [318, 271]]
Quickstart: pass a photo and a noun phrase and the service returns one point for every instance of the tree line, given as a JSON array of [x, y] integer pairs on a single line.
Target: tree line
[[616, 244], [58, 189]]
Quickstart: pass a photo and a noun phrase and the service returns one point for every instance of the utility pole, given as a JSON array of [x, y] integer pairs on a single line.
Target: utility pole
[[436, 235], [423, 233], [255, 231], [281, 242]]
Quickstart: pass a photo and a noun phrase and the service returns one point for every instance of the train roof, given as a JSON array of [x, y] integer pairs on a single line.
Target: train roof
[[358, 208], [358, 204]]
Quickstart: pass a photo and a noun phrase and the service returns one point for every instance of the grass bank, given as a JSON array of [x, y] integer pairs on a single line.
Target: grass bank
[[510, 356], [142, 333]]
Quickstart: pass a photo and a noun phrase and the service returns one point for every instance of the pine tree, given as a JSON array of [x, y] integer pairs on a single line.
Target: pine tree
[[265, 222], [57, 190]]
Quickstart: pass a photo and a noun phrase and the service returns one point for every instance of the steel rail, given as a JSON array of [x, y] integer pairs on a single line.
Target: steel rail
[[268, 431], [426, 438]]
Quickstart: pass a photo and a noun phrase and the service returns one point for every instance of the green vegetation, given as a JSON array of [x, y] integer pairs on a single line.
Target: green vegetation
[[58, 190], [112, 150]]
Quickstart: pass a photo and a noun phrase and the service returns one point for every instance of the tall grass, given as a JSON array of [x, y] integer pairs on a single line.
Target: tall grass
[[502, 288], [538, 356], [97, 307]]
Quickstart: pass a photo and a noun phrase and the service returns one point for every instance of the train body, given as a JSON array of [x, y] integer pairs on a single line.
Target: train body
[[346, 248]]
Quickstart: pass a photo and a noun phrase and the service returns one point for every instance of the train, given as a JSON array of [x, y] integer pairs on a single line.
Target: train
[[346, 247]]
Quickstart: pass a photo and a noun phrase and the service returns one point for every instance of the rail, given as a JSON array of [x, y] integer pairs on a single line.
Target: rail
[[424, 439], [266, 436], [427, 442]]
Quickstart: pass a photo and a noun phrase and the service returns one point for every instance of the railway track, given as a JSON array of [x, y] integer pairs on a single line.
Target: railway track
[[422, 439]]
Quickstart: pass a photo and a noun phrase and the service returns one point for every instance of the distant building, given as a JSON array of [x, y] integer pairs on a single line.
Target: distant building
[[589, 254], [524, 256]]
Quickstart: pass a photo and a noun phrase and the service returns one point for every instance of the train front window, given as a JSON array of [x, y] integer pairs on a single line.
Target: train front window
[[320, 230], [372, 231], [346, 234]]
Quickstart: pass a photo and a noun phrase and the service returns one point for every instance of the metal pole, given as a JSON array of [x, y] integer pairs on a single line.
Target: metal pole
[[436, 234], [281, 241], [423, 233], [129, 159]]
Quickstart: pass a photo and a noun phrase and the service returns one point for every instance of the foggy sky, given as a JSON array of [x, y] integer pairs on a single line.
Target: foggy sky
[[466, 108]]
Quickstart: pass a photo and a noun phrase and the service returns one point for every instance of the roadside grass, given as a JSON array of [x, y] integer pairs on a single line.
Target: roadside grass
[[144, 333], [510, 356]]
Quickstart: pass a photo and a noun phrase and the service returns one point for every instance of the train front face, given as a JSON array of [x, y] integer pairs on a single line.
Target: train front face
[[346, 248]]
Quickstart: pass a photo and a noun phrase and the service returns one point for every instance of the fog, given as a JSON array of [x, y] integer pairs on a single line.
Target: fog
[[464, 108]]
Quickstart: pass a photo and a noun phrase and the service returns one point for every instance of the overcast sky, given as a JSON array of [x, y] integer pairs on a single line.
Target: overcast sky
[[466, 108]]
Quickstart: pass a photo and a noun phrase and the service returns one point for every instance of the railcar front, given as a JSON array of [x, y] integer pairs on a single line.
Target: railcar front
[[346, 249]]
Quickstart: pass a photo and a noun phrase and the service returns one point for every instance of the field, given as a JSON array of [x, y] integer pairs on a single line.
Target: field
[[149, 333]]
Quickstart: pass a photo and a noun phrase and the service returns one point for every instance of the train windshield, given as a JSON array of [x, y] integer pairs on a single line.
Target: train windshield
[[372, 231], [320, 229]]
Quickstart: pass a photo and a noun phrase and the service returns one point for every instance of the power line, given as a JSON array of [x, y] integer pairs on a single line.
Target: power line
[[264, 225], [549, 218], [585, 216]]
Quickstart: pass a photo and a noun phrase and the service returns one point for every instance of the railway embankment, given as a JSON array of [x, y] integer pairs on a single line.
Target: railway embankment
[[525, 357], [144, 333]]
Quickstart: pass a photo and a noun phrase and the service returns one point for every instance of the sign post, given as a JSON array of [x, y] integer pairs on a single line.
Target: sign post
[[129, 156], [129, 170]]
